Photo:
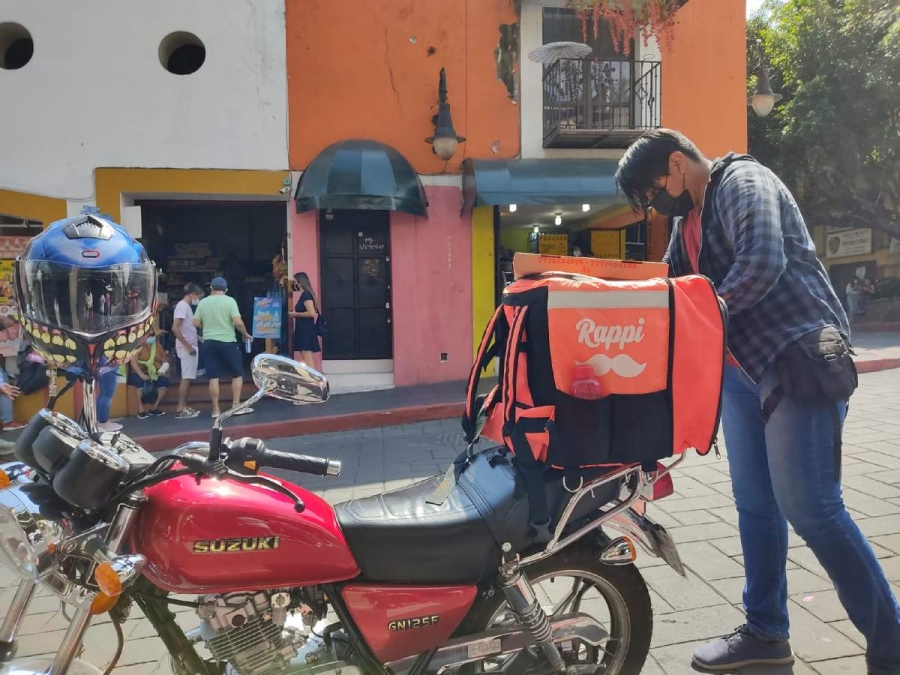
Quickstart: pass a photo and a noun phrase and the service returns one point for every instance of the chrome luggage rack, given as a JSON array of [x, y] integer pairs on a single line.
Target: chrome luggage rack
[[617, 513]]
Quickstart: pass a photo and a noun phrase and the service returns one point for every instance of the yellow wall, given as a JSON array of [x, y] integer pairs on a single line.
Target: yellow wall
[[483, 271], [111, 184], [33, 207]]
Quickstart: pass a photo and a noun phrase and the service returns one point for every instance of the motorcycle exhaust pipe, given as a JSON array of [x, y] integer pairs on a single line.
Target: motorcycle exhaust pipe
[[619, 551]]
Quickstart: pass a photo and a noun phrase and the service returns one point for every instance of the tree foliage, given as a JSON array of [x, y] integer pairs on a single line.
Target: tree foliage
[[835, 138]]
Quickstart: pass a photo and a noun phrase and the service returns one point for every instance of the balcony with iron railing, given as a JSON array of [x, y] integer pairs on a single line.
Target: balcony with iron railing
[[600, 103]]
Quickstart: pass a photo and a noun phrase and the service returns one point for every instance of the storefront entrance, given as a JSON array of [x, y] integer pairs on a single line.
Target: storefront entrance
[[356, 285], [196, 241]]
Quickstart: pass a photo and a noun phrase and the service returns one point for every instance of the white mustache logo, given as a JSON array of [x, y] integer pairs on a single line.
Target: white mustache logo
[[621, 364]]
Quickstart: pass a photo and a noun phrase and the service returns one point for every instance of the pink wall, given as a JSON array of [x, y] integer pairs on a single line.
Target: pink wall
[[305, 250], [431, 269]]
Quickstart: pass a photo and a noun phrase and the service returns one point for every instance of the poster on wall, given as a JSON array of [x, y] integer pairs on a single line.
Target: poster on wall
[[553, 244], [847, 243], [9, 338], [267, 317], [608, 244]]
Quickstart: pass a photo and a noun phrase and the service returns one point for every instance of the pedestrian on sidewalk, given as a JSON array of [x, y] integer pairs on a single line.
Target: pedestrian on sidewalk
[[8, 393], [148, 376], [305, 315], [187, 345], [218, 315], [853, 293], [105, 391], [734, 221]]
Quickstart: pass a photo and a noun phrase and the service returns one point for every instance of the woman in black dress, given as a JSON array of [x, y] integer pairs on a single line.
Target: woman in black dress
[[306, 311]]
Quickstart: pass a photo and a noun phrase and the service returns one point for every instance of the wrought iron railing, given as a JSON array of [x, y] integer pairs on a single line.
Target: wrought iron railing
[[601, 94]]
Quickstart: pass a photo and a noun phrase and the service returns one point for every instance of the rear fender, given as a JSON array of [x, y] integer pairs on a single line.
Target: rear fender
[[650, 536]]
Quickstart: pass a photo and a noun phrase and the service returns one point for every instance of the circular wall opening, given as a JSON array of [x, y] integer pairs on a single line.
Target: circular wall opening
[[182, 53], [16, 46]]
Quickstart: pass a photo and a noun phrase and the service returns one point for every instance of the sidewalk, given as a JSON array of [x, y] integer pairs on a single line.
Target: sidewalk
[[273, 419], [700, 517]]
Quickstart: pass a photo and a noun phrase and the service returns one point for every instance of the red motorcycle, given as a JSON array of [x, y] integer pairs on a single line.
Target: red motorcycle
[[284, 583]]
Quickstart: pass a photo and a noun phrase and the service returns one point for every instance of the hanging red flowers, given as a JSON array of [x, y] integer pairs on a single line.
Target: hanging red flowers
[[625, 18]]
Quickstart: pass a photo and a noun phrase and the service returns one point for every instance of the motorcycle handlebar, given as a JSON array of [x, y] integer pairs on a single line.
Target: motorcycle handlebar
[[252, 449]]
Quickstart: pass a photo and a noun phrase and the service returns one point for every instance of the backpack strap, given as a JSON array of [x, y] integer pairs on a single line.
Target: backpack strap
[[476, 412], [516, 428], [532, 473]]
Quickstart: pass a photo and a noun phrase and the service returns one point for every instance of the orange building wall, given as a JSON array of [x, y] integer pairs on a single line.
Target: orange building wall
[[704, 79], [363, 69]]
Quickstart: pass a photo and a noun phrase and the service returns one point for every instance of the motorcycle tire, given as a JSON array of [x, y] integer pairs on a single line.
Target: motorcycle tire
[[626, 581]]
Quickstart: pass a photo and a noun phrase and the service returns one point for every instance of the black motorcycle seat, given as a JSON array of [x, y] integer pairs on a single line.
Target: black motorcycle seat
[[399, 537]]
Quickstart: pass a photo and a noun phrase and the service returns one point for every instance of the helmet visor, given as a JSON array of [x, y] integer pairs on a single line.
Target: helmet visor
[[90, 302]]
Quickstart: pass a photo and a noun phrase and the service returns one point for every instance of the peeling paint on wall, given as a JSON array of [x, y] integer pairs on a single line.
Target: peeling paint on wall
[[506, 56]]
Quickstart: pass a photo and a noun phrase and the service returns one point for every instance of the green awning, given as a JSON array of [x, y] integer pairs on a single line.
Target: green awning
[[360, 174], [539, 182]]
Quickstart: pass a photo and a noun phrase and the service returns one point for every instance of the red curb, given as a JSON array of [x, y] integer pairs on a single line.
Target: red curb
[[877, 365], [313, 425], [875, 327]]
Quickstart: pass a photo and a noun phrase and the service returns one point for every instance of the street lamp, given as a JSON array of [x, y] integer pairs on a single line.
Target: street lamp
[[763, 99], [445, 140]]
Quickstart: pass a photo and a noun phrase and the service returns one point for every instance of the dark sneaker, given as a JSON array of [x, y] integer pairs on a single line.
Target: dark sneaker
[[143, 415], [741, 649], [157, 413]]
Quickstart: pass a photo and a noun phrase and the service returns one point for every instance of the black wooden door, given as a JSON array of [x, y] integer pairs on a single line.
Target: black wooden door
[[356, 284]]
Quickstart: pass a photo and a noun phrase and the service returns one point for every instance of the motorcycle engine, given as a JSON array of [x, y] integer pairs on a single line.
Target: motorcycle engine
[[268, 633]]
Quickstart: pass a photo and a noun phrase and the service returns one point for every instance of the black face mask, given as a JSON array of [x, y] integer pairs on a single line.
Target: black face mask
[[673, 207]]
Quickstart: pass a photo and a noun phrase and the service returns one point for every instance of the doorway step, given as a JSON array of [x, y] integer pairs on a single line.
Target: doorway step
[[346, 377]]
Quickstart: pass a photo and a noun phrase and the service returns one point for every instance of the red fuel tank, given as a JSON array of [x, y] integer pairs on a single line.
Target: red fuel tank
[[222, 536]]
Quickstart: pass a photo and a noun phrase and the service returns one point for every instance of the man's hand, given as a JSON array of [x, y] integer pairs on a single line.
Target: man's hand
[[193, 352], [9, 390]]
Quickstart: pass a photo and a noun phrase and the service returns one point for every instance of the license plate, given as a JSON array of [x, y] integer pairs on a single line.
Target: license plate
[[482, 648]]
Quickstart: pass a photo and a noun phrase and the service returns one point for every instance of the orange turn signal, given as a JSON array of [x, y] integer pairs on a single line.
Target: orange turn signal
[[250, 464], [107, 580], [103, 603], [5, 480]]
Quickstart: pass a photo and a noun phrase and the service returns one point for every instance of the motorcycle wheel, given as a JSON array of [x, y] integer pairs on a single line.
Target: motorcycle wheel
[[574, 580]]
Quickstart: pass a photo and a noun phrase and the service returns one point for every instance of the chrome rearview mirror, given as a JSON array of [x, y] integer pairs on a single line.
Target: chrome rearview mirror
[[288, 380]]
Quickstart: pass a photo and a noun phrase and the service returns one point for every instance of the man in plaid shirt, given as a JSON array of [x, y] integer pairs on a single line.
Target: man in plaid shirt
[[735, 222]]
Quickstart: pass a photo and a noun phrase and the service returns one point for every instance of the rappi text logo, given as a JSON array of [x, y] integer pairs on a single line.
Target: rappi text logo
[[594, 336]]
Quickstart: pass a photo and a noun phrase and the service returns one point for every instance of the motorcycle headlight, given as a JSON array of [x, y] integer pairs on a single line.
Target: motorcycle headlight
[[29, 531]]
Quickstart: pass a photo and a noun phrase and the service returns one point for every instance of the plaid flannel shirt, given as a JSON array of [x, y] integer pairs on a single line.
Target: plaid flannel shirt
[[757, 251]]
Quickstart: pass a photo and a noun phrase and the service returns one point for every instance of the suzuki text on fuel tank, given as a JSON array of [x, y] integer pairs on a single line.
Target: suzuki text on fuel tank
[[287, 583]]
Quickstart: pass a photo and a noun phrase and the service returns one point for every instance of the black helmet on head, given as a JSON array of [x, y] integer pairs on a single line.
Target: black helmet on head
[[86, 294]]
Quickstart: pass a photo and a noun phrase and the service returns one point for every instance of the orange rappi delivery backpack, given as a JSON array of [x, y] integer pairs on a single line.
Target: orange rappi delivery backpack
[[595, 372]]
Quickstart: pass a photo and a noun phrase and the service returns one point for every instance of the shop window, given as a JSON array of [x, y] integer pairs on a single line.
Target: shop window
[[16, 46], [182, 53]]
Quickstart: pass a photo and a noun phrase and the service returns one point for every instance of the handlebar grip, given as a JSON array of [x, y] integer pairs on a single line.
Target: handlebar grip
[[317, 466]]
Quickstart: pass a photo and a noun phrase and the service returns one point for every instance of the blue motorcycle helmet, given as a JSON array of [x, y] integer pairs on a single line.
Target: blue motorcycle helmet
[[86, 295]]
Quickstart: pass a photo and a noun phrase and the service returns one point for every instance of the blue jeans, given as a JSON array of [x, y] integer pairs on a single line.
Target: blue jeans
[[107, 390], [784, 472], [6, 404]]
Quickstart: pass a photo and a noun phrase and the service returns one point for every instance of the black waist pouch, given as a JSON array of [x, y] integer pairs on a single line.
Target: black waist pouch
[[817, 369]]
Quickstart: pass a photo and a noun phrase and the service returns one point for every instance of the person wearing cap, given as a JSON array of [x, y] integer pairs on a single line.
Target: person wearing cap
[[218, 315]]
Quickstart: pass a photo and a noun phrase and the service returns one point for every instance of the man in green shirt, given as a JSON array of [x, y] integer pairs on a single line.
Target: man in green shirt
[[218, 316]]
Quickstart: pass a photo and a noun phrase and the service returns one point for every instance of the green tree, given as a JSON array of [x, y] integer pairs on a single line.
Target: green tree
[[835, 138]]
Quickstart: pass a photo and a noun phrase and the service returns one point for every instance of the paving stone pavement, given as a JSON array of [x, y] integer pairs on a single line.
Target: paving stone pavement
[[700, 516]]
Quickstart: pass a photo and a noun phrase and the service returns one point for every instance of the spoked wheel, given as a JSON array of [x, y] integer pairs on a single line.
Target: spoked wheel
[[575, 581]]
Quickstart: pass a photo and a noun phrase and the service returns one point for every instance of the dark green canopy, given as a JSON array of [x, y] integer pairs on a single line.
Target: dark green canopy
[[362, 175]]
